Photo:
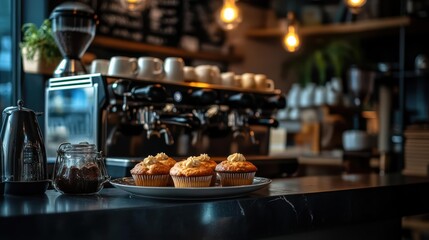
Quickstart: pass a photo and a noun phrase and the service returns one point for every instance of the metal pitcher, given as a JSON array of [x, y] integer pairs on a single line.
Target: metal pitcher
[[23, 155]]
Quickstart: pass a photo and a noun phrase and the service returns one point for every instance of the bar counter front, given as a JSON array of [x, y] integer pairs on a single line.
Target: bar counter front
[[322, 207]]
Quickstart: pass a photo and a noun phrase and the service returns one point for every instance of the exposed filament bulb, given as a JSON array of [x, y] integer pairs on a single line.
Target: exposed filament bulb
[[291, 39], [229, 16]]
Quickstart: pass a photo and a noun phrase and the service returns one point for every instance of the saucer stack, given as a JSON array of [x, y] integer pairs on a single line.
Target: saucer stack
[[416, 150]]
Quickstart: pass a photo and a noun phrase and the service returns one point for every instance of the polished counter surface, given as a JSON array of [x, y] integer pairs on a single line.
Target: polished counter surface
[[297, 207]]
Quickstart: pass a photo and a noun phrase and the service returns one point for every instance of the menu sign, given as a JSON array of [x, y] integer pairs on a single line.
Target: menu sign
[[116, 21], [189, 24], [199, 24], [164, 22]]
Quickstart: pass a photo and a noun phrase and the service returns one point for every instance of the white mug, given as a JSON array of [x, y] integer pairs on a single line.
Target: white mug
[[123, 67], [228, 79], [237, 81], [263, 83], [355, 140], [307, 95], [294, 95], [100, 66], [173, 68], [216, 77], [204, 73], [320, 95], [150, 68], [248, 80], [189, 74]]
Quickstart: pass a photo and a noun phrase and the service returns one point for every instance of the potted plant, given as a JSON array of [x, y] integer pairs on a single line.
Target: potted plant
[[40, 53], [322, 62]]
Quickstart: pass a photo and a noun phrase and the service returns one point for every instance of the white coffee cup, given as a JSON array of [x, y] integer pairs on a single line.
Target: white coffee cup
[[307, 95], [355, 140], [150, 68], [320, 95], [173, 68], [123, 67], [189, 74], [100, 66], [263, 83], [248, 80], [216, 77], [237, 81], [228, 79], [205, 73]]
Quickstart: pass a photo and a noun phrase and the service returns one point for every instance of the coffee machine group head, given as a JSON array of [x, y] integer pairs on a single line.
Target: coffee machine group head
[[73, 27]]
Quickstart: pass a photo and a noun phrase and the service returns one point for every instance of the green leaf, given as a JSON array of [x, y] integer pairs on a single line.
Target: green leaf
[[40, 39]]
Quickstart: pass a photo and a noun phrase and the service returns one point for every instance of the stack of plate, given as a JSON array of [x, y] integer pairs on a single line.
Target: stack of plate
[[416, 152]]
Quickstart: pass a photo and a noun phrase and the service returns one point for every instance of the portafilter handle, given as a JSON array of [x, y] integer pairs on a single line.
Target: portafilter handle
[[241, 100], [152, 93], [268, 122], [274, 102], [186, 120], [203, 97]]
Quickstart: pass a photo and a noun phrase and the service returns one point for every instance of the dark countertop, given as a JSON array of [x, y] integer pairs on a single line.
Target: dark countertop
[[286, 207]]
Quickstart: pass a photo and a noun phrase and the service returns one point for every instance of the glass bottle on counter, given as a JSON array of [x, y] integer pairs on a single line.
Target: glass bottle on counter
[[79, 169]]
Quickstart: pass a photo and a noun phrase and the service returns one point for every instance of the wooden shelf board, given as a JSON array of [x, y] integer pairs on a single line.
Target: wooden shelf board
[[336, 29], [126, 45]]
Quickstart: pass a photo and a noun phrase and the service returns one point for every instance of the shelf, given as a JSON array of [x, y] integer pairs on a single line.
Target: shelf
[[126, 45], [336, 29], [112, 79]]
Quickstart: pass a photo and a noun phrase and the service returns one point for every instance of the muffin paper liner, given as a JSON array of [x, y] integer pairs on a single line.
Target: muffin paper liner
[[201, 181], [236, 179], [151, 180]]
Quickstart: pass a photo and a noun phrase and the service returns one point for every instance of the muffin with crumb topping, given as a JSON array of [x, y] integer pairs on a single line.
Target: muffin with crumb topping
[[151, 172], [205, 159], [165, 159], [169, 161], [236, 171], [191, 173]]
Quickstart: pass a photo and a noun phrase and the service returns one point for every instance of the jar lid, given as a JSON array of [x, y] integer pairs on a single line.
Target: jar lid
[[73, 9], [80, 147]]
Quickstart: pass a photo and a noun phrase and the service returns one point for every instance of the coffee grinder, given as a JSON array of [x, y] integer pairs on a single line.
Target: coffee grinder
[[73, 27], [360, 85]]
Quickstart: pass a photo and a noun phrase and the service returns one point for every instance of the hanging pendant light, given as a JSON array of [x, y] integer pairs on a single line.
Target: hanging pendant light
[[134, 5], [355, 5], [291, 40], [229, 15]]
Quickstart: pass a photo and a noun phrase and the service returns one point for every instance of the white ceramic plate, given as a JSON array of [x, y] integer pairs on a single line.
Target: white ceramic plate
[[127, 184]]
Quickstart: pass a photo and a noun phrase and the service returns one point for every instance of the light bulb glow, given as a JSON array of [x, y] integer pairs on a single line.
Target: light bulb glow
[[229, 16], [291, 41], [135, 5], [355, 6], [355, 3]]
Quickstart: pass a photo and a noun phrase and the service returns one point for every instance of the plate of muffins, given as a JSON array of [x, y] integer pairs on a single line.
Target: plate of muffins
[[197, 177]]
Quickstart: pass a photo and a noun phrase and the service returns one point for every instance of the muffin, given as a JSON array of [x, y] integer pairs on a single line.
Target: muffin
[[191, 173], [205, 159], [236, 171], [150, 172], [165, 159]]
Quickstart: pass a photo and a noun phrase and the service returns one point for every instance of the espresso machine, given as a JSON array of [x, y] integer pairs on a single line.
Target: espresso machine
[[129, 119]]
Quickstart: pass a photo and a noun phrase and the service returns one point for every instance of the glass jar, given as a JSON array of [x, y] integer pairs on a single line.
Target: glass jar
[[79, 169]]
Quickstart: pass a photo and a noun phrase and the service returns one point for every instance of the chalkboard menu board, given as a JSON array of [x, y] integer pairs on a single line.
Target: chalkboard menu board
[[164, 22], [199, 22], [180, 23], [116, 21]]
